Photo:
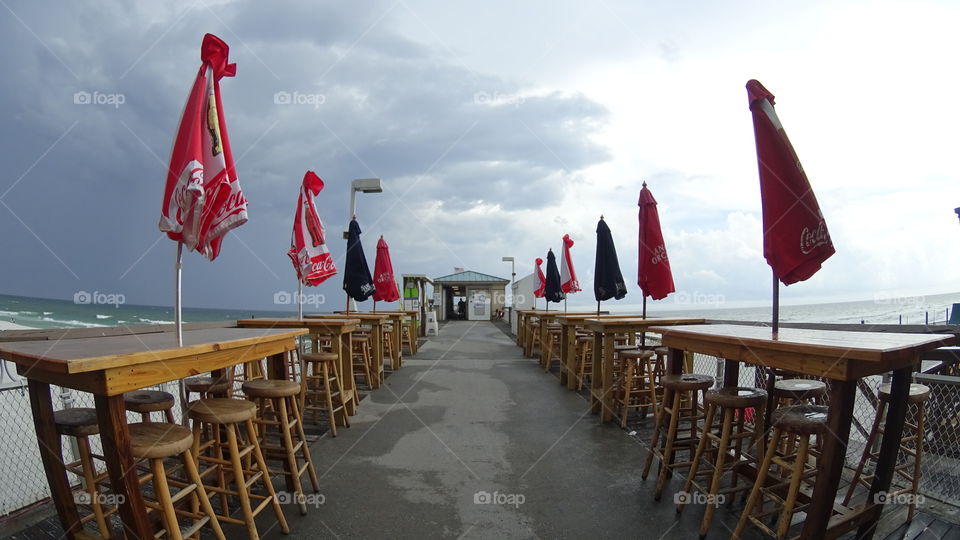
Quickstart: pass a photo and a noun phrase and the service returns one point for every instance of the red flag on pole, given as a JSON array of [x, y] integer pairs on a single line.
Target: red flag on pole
[[541, 280], [383, 279], [202, 200], [653, 269], [308, 247], [795, 236], [568, 278]]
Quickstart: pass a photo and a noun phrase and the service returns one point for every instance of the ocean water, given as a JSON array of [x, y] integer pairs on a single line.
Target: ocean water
[[883, 309], [51, 313]]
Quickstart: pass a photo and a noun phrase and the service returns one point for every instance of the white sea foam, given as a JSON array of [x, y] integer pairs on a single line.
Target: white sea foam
[[74, 323], [99, 316], [153, 321]]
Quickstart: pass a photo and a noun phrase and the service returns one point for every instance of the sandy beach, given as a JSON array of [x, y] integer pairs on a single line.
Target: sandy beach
[[6, 325]]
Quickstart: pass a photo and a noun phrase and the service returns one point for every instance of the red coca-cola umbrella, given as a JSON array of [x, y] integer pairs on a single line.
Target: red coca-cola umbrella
[[383, 279], [308, 246], [568, 278], [653, 267], [541, 282], [202, 200], [795, 236]]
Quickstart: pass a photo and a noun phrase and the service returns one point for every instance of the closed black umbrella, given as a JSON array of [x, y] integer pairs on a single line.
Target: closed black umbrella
[[607, 279], [553, 292], [357, 281]]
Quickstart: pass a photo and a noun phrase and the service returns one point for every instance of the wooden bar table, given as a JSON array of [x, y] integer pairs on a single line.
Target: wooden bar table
[[376, 328], [377, 320], [569, 323], [411, 319], [547, 317], [109, 366], [527, 343], [396, 356], [338, 330], [843, 357], [522, 315], [604, 330]]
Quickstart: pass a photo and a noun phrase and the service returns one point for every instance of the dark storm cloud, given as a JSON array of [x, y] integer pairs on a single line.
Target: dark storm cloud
[[82, 183]]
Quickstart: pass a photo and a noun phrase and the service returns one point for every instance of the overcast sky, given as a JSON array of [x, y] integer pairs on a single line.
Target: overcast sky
[[497, 128]]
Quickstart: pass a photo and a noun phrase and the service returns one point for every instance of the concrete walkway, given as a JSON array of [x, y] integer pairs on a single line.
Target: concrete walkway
[[472, 440]]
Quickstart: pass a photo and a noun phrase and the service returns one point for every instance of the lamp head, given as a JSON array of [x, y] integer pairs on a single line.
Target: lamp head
[[367, 185], [507, 259]]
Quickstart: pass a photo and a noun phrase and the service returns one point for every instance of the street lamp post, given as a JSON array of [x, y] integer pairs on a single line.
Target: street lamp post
[[513, 279], [363, 185]]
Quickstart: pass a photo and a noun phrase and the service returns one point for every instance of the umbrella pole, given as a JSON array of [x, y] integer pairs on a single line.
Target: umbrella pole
[[776, 305], [299, 299], [564, 304], [177, 317], [598, 308], [643, 334], [348, 303]]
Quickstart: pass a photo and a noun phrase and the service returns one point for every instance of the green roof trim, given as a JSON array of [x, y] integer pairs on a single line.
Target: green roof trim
[[470, 277]]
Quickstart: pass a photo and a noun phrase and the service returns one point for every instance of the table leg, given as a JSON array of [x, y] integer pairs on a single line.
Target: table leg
[[397, 357], [542, 330], [675, 362], [349, 383], [520, 321], [115, 438], [606, 414], [731, 373], [842, 398], [889, 448], [52, 457], [377, 329], [568, 351], [596, 370]]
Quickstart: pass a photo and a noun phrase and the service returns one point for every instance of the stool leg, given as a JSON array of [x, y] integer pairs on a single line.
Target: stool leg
[[305, 450], [328, 395], [162, 491], [798, 470], [240, 478], [758, 484], [918, 449], [668, 450], [627, 392], [293, 472], [718, 469], [871, 438], [701, 446], [262, 464], [657, 425], [89, 479], [193, 475], [168, 414]]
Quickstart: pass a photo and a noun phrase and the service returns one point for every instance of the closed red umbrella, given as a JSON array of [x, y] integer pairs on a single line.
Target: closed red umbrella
[[568, 278], [202, 200], [795, 236], [653, 269], [541, 281], [308, 246], [383, 279]]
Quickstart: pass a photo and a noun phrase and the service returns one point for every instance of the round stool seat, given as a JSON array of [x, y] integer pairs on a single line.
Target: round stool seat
[[687, 381], [79, 422], [584, 339], [621, 348], [360, 335], [206, 385], [147, 401], [737, 397], [918, 393], [635, 354], [801, 419], [269, 388], [320, 357], [222, 410], [158, 440], [799, 389], [661, 351]]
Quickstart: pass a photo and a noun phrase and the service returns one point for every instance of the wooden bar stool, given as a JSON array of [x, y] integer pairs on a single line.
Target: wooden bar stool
[[150, 401], [324, 390], [675, 387], [81, 423], [361, 358], [553, 347], [584, 359], [638, 389], [284, 415], [911, 446], [236, 467], [156, 441], [410, 335], [799, 392], [206, 386], [804, 421], [716, 442]]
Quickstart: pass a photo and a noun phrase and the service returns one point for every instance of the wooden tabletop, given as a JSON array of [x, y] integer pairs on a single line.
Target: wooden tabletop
[[626, 322], [869, 346], [352, 315], [100, 353]]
